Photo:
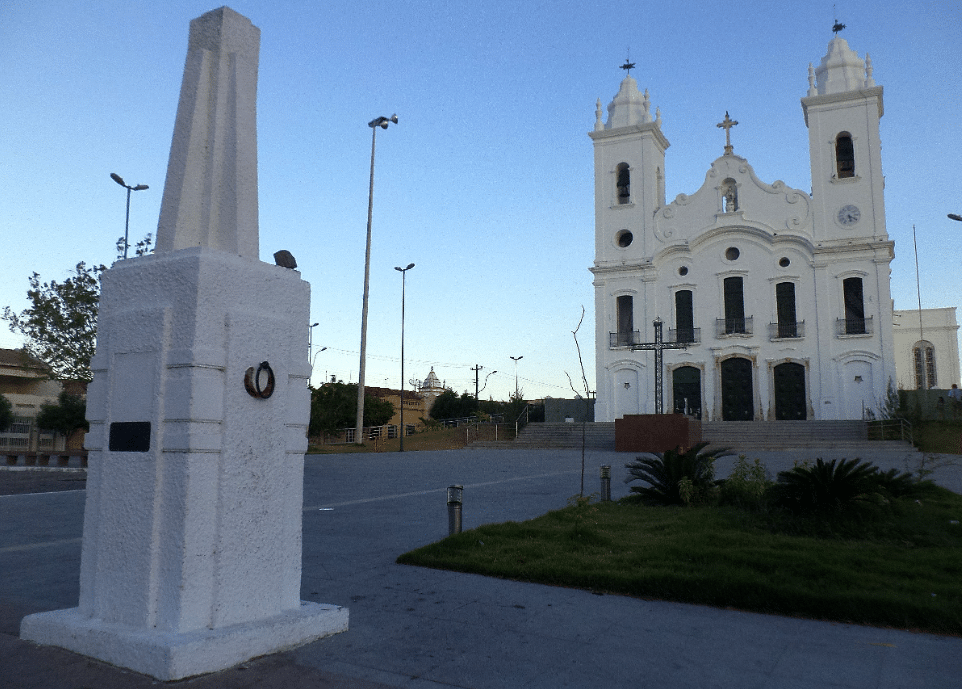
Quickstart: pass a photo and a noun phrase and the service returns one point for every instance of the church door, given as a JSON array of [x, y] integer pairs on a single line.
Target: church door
[[736, 388], [686, 390], [790, 392]]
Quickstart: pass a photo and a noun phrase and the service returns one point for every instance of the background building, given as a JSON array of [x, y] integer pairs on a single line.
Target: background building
[[926, 349], [24, 381]]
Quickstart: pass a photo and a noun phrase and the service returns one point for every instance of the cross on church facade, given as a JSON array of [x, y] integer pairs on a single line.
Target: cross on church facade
[[727, 125], [659, 346]]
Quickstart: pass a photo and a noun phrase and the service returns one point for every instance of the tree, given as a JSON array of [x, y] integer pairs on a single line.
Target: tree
[[6, 414], [60, 326], [448, 405], [67, 416], [334, 406]]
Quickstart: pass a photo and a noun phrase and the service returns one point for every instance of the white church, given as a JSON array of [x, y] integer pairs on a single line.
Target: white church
[[774, 303]]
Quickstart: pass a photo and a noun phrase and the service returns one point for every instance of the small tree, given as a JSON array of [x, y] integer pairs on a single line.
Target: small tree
[[448, 405], [65, 417], [60, 325], [334, 406], [6, 414]]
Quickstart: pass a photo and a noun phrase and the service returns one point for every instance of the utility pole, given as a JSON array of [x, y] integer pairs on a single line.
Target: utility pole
[[477, 391]]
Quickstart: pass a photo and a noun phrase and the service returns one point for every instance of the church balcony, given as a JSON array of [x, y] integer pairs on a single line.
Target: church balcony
[[854, 326], [786, 331], [624, 339], [725, 327], [684, 335]]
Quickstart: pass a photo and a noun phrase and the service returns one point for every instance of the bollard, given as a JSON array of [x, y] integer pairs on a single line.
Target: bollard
[[605, 483], [454, 509]]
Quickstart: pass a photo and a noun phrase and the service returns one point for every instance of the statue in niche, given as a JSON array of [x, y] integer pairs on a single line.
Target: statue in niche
[[730, 194]]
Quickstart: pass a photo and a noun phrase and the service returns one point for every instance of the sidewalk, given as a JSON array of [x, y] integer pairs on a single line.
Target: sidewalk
[[419, 628]]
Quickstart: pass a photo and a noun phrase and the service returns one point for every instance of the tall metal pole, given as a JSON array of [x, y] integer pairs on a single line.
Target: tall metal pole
[[515, 360], [359, 424], [140, 187], [127, 225], [404, 272]]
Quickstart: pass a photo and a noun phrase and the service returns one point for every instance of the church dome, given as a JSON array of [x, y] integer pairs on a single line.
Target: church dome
[[629, 106], [841, 69], [431, 383]]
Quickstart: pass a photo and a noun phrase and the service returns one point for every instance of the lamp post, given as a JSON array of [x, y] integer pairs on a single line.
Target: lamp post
[[310, 338], [381, 122], [404, 272], [515, 359], [314, 359], [140, 187]]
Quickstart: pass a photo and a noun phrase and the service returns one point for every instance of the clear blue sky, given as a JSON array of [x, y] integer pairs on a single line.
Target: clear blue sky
[[487, 182]]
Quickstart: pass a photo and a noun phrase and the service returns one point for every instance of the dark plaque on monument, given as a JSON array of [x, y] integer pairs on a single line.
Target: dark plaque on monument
[[130, 436]]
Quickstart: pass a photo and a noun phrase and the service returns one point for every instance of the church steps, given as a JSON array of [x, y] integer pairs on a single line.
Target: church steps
[[738, 435]]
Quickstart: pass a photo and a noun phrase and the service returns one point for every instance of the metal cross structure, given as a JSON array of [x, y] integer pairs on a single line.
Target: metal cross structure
[[659, 346], [727, 125]]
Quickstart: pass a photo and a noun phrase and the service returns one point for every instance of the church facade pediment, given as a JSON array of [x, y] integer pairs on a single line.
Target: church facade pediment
[[733, 196]]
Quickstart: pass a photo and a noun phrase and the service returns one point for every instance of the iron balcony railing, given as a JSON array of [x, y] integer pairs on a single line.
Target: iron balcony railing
[[690, 335], [624, 339], [786, 331], [854, 326], [734, 326]]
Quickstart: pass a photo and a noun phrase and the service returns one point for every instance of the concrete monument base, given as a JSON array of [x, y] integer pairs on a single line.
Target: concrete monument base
[[171, 656]]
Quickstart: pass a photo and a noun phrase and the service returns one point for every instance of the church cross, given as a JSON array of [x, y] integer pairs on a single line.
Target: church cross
[[727, 125], [658, 346]]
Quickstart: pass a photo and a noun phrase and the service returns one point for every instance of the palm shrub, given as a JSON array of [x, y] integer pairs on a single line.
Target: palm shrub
[[830, 488], [675, 477]]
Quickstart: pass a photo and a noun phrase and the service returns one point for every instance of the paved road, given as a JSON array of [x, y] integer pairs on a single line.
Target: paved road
[[418, 628]]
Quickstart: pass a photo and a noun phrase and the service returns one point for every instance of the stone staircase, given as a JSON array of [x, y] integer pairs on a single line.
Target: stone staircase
[[779, 435], [738, 435]]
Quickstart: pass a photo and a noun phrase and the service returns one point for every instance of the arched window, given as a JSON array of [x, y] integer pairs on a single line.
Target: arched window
[[623, 175], [844, 155], [923, 355]]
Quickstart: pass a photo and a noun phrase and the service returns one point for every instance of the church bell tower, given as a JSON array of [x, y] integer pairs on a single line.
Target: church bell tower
[[842, 110]]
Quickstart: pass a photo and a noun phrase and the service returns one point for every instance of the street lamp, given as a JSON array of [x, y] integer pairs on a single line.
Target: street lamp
[[381, 122], [483, 387], [140, 187], [314, 359], [310, 338], [515, 359], [404, 274]]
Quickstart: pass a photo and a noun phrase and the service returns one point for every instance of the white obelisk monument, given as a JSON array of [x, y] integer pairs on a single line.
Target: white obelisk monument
[[198, 410]]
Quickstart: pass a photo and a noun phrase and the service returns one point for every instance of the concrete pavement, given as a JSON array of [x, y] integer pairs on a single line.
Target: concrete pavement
[[419, 628]]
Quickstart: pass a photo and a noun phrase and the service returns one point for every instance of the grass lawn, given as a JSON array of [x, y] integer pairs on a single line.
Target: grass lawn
[[902, 570], [939, 436]]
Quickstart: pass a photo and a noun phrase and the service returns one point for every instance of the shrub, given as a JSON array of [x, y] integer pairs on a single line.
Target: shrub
[[827, 488], [746, 485], [675, 477]]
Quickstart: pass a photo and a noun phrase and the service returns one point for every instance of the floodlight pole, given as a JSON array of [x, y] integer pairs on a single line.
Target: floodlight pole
[[381, 122], [404, 272], [515, 359], [140, 187]]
